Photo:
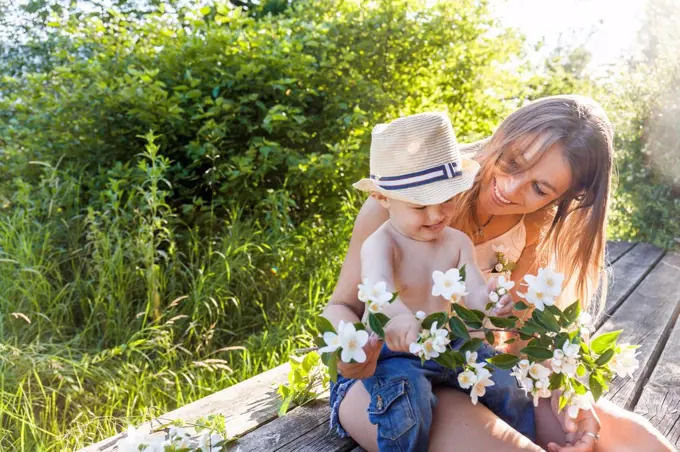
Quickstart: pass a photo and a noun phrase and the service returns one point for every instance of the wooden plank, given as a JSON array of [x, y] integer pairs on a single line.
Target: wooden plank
[[617, 249], [660, 399], [245, 405], [284, 430], [319, 439], [627, 273], [646, 318]]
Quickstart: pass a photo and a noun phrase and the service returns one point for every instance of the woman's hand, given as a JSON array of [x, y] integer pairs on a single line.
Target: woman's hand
[[504, 305], [579, 432], [367, 368]]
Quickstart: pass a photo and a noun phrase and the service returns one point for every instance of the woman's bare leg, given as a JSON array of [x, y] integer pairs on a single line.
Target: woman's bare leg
[[624, 431], [458, 425]]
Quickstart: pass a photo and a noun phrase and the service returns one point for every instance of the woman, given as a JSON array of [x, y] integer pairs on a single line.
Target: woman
[[542, 193]]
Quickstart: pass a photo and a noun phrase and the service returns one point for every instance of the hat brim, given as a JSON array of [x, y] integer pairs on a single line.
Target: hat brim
[[430, 194]]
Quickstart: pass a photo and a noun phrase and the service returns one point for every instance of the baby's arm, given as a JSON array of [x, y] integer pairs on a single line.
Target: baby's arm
[[377, 264]]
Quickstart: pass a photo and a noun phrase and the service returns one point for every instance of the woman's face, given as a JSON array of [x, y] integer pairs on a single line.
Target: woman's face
[[520, 192]]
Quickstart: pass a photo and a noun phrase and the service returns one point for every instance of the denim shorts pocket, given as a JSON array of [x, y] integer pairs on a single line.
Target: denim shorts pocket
[[391, 409]]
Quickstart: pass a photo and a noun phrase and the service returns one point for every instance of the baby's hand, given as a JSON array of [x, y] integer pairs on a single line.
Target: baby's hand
[[401, 331], [367, 368]]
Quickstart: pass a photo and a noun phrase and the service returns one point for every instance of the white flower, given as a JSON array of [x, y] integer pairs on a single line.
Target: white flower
[[537, 297], [431, 344], [479, 388], [624, 363], [579, 402], [585, 323], [467, 379], [420, 315], [498, 267], [376, 306], [541, 390], [208, 442], [374, 293], [539, 371], [449, 285], [179, 437], [471, 359], [133, 440], [499, 248], [352, 343], [547, 282], [504, 283], [493, 297], [524, 365], [566, 360]]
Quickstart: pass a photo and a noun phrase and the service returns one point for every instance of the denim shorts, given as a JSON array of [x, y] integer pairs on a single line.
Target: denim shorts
[[402, 400]]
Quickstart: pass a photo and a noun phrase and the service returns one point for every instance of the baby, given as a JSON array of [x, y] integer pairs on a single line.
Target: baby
[[416, 171]]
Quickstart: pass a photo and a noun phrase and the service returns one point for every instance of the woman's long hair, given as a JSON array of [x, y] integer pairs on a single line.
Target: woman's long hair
[[574, 242]]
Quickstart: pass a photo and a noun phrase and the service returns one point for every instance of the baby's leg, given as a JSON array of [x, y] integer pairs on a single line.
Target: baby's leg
[[354, 418], [400, 403]]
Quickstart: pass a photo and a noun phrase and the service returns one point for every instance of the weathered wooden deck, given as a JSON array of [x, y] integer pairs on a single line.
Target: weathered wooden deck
[[644, 301]]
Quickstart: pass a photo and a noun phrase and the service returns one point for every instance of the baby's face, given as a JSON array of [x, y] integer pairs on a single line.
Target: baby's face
[[422, 223]]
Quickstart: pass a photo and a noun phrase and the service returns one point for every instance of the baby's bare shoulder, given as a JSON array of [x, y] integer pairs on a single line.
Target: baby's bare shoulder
[[455, 238]]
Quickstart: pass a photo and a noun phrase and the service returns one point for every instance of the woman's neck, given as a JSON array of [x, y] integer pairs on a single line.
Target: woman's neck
[[481, 215]]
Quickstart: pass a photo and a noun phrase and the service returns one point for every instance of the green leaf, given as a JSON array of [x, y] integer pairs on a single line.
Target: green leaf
[[458, 357], [490, 338], [521, 306], [579, 388], [511, 340], [472, 345], [581, 370], [557, 381], [375, 325], [605, 357], [285, 404], [595, 387], [205, 10], [323, 325], [447, 359], [571, 313], [465, 314], [458, 328], [537, 353], [463, 272], [604, 341], [474, 325], [502, 322], [489, 306], [563, 403], [547, 320], [504, 361], [359, 326], [319, 342], [439, 317], [395, 295], [333, 366]]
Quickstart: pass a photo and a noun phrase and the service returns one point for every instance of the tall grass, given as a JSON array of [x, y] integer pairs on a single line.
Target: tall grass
[[115, 311]]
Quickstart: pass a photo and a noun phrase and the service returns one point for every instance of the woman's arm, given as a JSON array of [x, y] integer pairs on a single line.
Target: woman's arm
[[344, 304]]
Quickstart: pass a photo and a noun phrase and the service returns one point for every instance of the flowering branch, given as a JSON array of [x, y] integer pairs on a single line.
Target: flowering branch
[[558, 354]]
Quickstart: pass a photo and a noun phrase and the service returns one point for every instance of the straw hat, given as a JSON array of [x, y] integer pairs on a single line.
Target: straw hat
[[416, 159]]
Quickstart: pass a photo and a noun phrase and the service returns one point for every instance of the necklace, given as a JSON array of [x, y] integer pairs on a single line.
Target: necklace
[[480, 229]]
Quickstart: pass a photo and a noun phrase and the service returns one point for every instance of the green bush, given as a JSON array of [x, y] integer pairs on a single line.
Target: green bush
[[255, 111]]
